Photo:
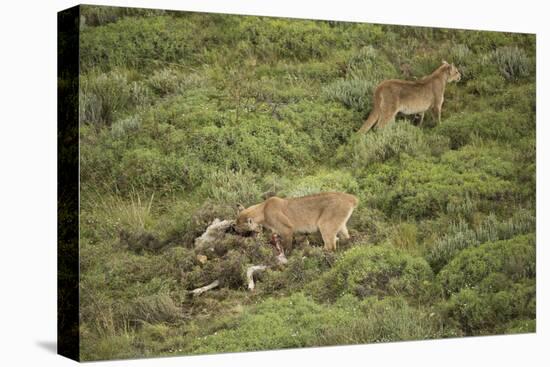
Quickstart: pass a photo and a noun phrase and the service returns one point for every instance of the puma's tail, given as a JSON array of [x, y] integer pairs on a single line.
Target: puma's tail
[[371, 120]]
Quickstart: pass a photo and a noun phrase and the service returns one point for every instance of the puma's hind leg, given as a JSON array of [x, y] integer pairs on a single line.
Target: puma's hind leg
[[421, 119], [370, 121], [386, 118], [344, 232], [329, 238]]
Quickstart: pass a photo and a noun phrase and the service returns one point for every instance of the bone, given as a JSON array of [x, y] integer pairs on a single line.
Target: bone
[[201, 290], [214, 232], [250, 274]]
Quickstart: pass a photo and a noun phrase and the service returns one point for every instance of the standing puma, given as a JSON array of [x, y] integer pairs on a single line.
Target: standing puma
[[325, 212], [410, 97]]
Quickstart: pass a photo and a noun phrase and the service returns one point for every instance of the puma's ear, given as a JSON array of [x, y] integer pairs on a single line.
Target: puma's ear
[[240, 208], [444, 62]]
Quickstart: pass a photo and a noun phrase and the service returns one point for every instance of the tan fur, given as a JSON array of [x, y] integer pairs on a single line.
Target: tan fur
[[325, 212], [410, 97]]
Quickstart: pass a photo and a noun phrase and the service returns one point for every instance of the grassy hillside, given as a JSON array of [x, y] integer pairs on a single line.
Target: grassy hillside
[[184, 115]]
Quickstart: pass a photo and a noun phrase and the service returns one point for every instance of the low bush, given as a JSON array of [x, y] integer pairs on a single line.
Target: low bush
[[297, 321], [110, 346], [490, 286], [513, 62], [380, 146], [326, 125], [105, 97], [364, 70], [125, 127], [231, 187], [323, 181], [143, 167], [405, 236], [374, 271], [480, 313], [423, 187], [304, 266], [165, 81], [140, 43], [352, 93], [515, 258], [158, 308], [95, 16], [462, 129], [461, 236]]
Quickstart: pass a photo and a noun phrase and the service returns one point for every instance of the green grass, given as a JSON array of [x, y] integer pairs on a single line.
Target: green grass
[[184, 115]]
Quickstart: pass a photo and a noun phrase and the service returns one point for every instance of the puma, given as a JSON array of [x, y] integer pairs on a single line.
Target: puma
[[410, 97], [325, 212]]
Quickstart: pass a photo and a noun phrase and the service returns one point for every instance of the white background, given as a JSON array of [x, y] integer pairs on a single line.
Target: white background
[[28, 182]]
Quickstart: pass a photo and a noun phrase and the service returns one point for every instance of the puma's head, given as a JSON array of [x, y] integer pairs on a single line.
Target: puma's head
[[453, 75], [245, 224]]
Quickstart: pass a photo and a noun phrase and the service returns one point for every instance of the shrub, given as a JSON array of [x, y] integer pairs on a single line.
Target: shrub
[[297, 321], [520, 103], [462, 57], [461, 207], [423, 187], [323, 181], [370, 224], [369, 64], [490, 285], [521, 326], [463, 128], [106, 347], [387, 143], [304, 266], [513, 62], [405, 236], [104, 97], [385, 320], [123, 128], [514, 257], [154, 309], [489, 85], [287, 39], [324, 126], [100, 15], [461, 236], [352, 93], [143, 167], [231, 188], [363, 71], [116, 212], [478, 313], [285, 318], [256, 143], [392, 319], [165, 81], [374, 271], [139, 43]]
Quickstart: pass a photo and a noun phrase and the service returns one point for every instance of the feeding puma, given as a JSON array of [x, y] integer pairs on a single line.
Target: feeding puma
[[325, 212], [410, 97]]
